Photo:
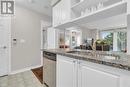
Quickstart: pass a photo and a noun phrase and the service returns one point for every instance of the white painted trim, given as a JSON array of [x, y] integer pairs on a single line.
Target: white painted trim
[[54, 2], [24, 69], [43, 25], [9, 66], [41, 42]]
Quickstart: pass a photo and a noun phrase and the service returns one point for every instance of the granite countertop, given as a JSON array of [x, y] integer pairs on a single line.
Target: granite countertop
[[113, 59]]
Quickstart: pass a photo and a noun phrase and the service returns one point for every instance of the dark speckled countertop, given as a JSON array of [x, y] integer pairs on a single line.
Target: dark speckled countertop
[[113, 59]]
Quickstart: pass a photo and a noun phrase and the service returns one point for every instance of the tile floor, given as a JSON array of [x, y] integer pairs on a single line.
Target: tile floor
[[25, 79]]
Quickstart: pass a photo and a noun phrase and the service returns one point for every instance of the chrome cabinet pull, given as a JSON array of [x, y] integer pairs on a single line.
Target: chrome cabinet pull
[[74, 61]]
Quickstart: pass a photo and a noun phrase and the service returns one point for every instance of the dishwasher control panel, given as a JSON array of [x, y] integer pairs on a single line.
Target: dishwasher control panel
[[49, 55]]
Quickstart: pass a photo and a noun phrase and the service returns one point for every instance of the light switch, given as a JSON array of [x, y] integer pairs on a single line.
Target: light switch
[[14, 41]]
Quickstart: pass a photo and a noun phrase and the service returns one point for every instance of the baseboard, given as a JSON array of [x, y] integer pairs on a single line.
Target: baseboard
[[24, 69]]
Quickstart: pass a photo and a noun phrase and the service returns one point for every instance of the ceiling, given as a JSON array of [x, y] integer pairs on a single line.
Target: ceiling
[[40, 6], [112, 22]]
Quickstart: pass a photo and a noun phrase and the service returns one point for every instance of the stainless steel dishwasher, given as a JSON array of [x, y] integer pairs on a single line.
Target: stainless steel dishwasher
[[49, 69]]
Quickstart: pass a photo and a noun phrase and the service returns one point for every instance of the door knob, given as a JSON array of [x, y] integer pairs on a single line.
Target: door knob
[[4, 47]]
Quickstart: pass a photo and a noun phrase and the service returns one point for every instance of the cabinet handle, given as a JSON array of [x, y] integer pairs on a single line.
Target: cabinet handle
[[74, 61], [79, 62]]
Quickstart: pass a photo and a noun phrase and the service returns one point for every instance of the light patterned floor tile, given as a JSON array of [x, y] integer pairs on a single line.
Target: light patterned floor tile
[[25, 79]]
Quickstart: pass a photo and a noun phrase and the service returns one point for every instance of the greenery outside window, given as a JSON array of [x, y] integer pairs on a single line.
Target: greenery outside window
[[116, 38]]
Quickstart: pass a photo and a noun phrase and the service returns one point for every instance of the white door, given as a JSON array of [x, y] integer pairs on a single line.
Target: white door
[[4, 46], [66, 72], [95, 78]]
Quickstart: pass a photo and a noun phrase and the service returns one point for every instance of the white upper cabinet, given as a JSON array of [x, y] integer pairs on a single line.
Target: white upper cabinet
[[128, 6], [65, 11], [68, 13], [106, 12], [61, 12], [56, 14], [86, 7]]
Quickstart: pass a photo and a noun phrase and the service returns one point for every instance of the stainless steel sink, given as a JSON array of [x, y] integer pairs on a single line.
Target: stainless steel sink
[[109, 57], [73, 52], [81, 53]]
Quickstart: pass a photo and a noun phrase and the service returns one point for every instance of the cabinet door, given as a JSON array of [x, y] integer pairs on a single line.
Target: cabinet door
[[56, 14], [65, 10], [61, 12], [95, 78], [66, 70]]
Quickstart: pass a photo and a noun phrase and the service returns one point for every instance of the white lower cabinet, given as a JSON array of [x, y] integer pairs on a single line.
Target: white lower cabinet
[[95, 78], [76, 73], [65, 72]]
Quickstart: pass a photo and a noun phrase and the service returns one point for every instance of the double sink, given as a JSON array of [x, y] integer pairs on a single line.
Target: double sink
[[97, 55]]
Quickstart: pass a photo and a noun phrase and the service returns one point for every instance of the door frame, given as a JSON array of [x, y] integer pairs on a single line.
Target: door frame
[[44, 26], [10, 40]]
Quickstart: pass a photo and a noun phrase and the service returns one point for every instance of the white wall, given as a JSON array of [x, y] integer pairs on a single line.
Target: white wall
[[51, 38], [26, 28]]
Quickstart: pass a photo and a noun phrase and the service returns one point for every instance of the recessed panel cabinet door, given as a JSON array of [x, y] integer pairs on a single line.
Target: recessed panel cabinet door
[[65, 72], [61, 12], [96, 78], [56, 14], [65, 10]]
